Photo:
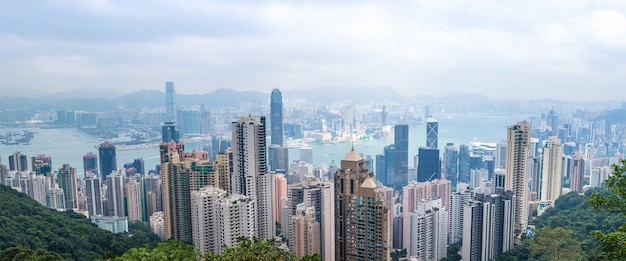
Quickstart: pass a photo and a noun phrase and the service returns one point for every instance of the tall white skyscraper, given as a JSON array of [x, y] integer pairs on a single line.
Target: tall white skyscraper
[[518, 143], [428, 231], [552, 170], [115, 194], [250, 177], [457, 203], [93, 192]]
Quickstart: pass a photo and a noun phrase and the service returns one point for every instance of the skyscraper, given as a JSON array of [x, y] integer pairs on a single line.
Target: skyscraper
[[108, 162], [362, 222], [518, 142], [18, 162], [115, 194], [134, 200], [41, 164], [169, 132], [276, 117], [250, 177], [428, 231], [457, 203], [464, 164], [429, 166], [451, 164], [278, 157], [170, 107], [280, 193], [306, 230], [93, 192], [552, 170], [577, 172], [66, 178], [176, 192], [432, 133], [90, 163], [401, 156]]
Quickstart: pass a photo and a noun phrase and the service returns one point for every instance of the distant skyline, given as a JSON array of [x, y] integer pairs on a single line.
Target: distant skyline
[[566, 49]]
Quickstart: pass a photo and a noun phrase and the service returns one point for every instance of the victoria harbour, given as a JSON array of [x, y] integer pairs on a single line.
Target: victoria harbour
[[68, 145]]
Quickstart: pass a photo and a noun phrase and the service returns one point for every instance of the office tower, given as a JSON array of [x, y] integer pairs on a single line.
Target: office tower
[[464, 164], [451, 164], [569, 148], [93, 192], [66, 178], [577, 172], [90, 163], [518, 142], [428, 231], [360, 213], [306, 154], [278, 157], [477, 176], [398, 227], [115, 194], [41, 164], [18, 162], [169, 132], [381, 169], [306, 231], [134, 200], [552, 120], [432, 133], [536, 165], [500, 160], [205, 122], [139, 166], [457, 203], [552, 170], [249, 176], [401, 156], [108, 162], [384, 114], [428, 167], [188, 122], [170, 107], [280, 192], [56, 198], [276, 117]]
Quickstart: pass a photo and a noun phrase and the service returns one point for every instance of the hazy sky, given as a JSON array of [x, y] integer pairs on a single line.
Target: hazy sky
[[566, 49]]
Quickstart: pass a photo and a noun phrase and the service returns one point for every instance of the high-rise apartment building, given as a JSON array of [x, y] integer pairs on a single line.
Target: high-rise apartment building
[[362, 222], [518, 143], [66, 178], [416, 192], [457, 203], [401, 156], [176, 192], [250, 176], [93, 192], [276, 117], [429, 165], [108, 161], [577, 173], [115, 194], [170, 107], [552, 170], [90, 163], [56, 198], [280, 193], [306, 232], [134, 199], [428, 231], [18, 162], [432, 133]]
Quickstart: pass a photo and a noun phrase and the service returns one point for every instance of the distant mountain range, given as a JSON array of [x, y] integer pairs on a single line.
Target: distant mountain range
[[106, 100]]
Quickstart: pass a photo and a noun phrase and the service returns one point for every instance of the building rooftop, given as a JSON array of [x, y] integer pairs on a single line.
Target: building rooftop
[[353, 155]]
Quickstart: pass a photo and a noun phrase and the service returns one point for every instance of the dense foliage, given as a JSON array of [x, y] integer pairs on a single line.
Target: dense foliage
[[613, 242], [27, 224], [245, 249], [573, 218]]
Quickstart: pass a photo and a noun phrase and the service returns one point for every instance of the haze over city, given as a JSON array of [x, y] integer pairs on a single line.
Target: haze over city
[[538, 49]]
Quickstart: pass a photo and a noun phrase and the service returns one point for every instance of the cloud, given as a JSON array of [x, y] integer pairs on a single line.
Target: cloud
[[416, 47]]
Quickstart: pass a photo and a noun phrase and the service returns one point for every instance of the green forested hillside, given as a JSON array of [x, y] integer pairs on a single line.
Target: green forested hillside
[[572, 215], [26, 223]]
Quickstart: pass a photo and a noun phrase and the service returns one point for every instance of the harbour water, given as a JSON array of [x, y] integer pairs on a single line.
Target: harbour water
[[69, 145]]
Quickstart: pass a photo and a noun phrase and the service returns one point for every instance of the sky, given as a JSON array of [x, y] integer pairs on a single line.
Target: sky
[[569, 49]]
